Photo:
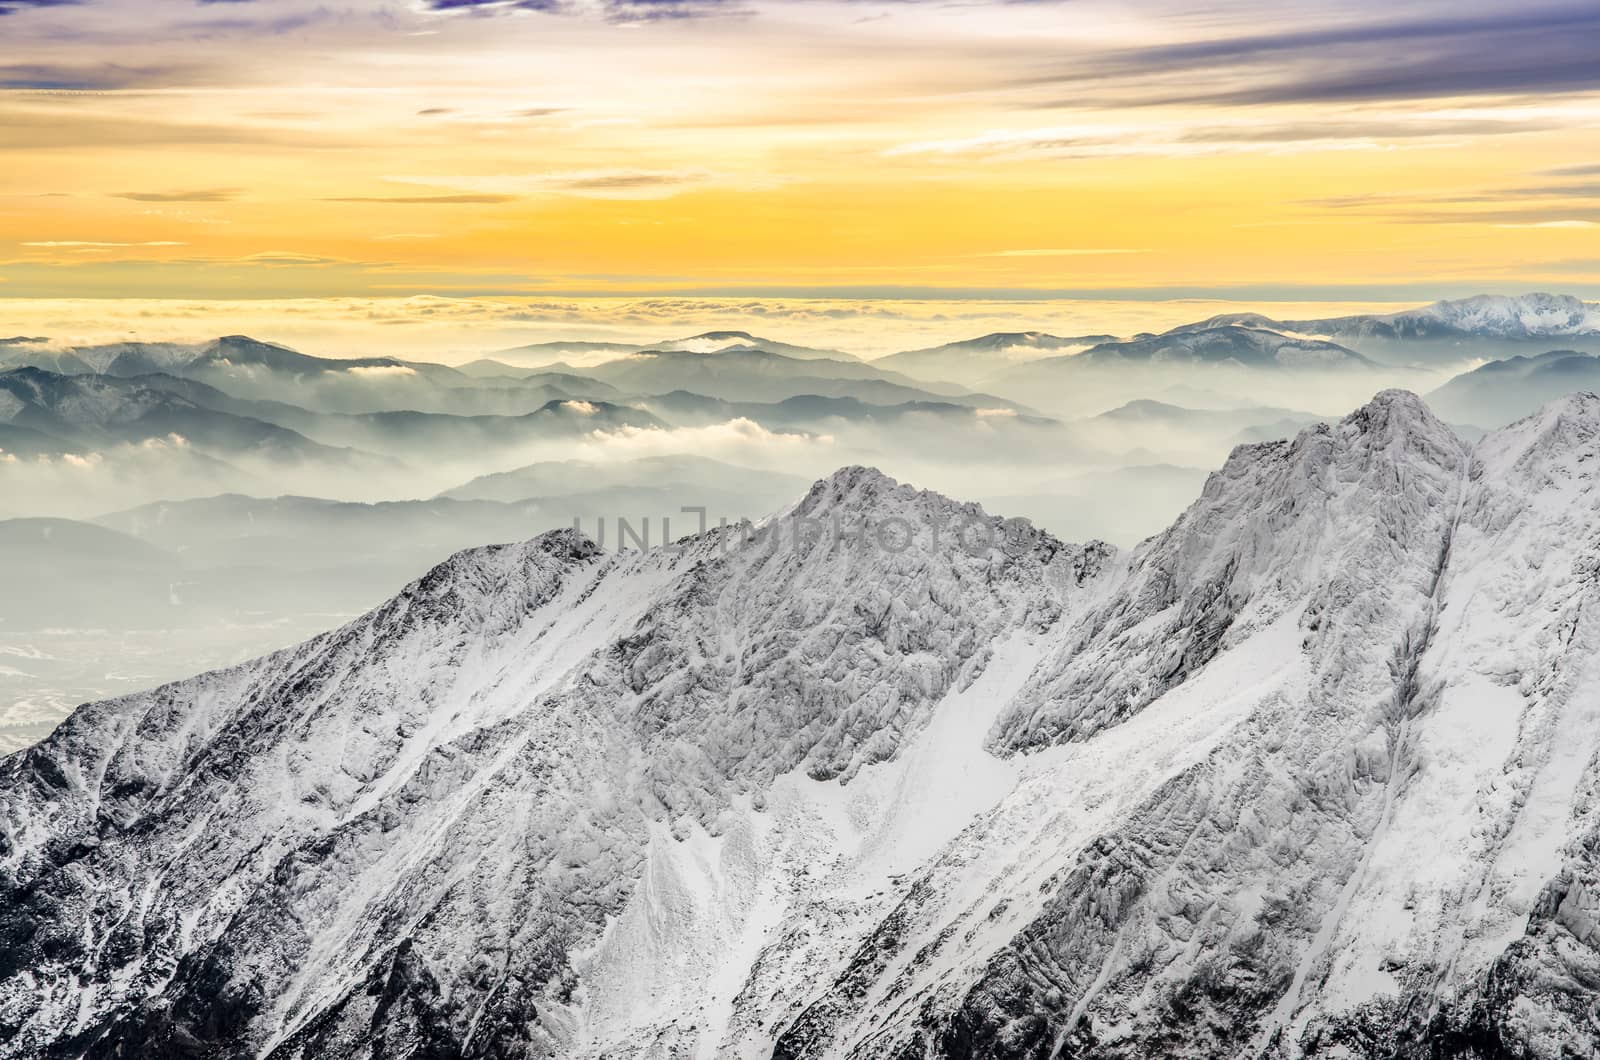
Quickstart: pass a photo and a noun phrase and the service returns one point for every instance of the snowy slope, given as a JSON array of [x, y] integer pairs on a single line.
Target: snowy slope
[[971, 361], [1517, 316], [1527, 316], [1312, 773], [1224, 343]]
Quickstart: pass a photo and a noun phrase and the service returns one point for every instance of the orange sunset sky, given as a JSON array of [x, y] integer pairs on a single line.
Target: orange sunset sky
[[1306, 151]]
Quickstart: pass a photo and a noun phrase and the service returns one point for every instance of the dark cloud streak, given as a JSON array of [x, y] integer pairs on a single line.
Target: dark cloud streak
[[615, 10], [1376, 128], [1538, 49], [1589, 190], [97, 77], [12, 7]]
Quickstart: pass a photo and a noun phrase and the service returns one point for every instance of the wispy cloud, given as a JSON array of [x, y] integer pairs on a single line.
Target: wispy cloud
[[288, 259], [426, 200], [41, 128], [1583, 190], [1361, 57], [610, 10], [1126, 141], [1553, 224], [1518, 216], [91, 77], [11, 7], [489, 7], [1063, 252], [1368, 130], [197, 195], [1518, 207], [589, 183], [89, 243]]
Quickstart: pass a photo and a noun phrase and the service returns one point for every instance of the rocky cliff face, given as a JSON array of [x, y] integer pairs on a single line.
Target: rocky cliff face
[[1313, 773]]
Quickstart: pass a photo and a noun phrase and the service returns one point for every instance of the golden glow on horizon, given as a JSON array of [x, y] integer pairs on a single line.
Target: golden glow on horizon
[[454, 330], [794, 148]]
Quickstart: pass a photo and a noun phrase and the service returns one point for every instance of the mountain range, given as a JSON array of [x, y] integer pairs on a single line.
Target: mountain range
[[1450, 331], [972, 361], [1531, 316], [1043, 369], [744, 373], [590, 354], [1220, 356], [1505, 390], [43, 413], [228, 558], [1310, 773]]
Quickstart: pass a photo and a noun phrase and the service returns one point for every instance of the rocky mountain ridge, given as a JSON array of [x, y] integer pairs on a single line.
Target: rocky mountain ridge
[[1312, 773]]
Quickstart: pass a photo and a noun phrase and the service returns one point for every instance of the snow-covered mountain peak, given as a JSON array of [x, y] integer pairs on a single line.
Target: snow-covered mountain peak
[[1400, 421], [1582, 405], [236, 345], [861, 508], [491, 573], [1004, 339], [1393, 433], [1393, 402], [867, 494], [1519, 316], [1347, 511], [1224, 343], [855, 484], [1253, 321], [1563, 438], [1522, 320]]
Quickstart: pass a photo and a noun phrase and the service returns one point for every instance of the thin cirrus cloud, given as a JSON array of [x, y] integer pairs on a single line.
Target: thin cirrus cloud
[[588, 183], [1367, 130], [611, 10], [1464, 209], [1450, 51], [1061, 252], [1106, 141], [1554, 217], [12, 7], [92, 244], [488, 117], [1566, 207], [197, 195], [1515, 207], [93, 77], [35, 130], [426, 200], [289, 259], [1573, 225], [1586, 190]]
